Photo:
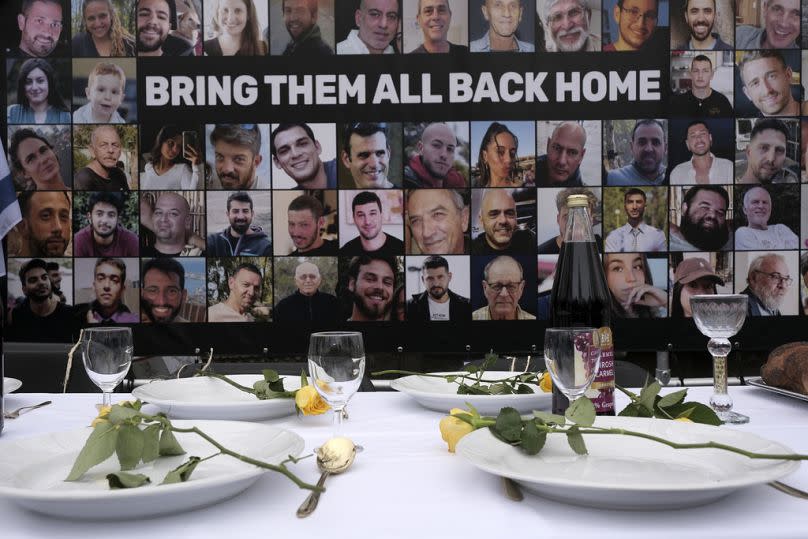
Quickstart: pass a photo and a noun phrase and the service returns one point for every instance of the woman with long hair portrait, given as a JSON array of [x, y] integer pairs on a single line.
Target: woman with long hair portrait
[[38, 97], [235, 24], [170, 165], [692, 276], [102, 33], [497, 160], [632, 286]]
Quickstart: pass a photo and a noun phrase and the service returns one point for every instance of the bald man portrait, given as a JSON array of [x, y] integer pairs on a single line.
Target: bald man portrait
[[170, 221], [503, 285], [432, 163], [501, 231]]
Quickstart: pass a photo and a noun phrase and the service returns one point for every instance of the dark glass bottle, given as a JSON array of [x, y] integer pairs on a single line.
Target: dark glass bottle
[[580, 297]]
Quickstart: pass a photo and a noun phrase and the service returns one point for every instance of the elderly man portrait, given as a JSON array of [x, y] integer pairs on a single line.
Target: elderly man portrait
[[501, 233], [163, 294], [636, 235], [701, 99], [155, 19], [105, 235], [371, 280], [109, 285], [368, 217], [46, 226], [102, 173], [434, 18], [503, 18], [767, 83], [437, 303], [759, 234], [781, 27], [553, 245], [296, 151], [636, 25], [306, 225], [768, 281], [237, 155], [305, 38], [307, 303], [567, 23], [438, 221], [242, 237], [703, 167], [432, 163], [376, 26], [170, 221], [244, 285], [41, 316], [766, 160], [40, 23], [503, 285], [649, 147], [703, 224], [700, 16], [35, 162], [366, 155], [561, 165]]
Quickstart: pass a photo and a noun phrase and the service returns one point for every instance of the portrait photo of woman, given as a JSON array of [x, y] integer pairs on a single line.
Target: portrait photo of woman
[[39, 100], [499, 163], [100, 31], [632, 287], [173, 161], [234, 28]]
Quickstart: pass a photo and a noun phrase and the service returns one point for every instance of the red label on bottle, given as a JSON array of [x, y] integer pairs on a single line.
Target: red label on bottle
[[601, 392]]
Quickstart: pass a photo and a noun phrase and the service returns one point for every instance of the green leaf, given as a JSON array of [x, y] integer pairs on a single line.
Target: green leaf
[[550, 419], [524, 389], [488, 360], [532, 439], [169, 446], [98, 448], [270, 375], [576, 440], [509, 424], [471, 368], [181, 473], [581, 412], [634, 410], [304, 381], [451, 378], [473, 410], [119, 414], [672, 398], [697, 412], [499, 389], [129, 446], [151, 442], [127, 480], [648, 395]]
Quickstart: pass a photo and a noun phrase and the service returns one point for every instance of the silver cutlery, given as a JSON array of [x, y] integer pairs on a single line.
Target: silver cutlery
[[14, 414]]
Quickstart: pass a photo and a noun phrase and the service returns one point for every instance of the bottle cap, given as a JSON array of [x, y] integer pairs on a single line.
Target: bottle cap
[[574, 201]]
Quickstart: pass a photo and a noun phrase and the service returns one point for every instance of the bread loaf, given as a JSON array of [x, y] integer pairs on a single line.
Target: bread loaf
[[787, 367]]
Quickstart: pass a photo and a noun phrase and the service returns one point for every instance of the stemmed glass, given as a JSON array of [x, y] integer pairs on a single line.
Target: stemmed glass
[[336, 367], [720, 316], [107, 355], [572, 356]]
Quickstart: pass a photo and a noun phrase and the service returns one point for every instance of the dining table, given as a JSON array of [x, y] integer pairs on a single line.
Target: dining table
[[405, 483]]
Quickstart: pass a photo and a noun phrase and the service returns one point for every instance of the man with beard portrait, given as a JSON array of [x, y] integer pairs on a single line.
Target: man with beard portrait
[[437, 302], [501, 232], [105, 235], [371, 280], [768, 282], [163, 294], [241, 238], [237, 155], [703, 225], [155, 19], [700, 18], [41, 316]]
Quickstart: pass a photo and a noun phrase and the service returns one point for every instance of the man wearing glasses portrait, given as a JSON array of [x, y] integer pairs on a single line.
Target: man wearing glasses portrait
[[637, 25], [503, 285], [768, 282], [568, 22]]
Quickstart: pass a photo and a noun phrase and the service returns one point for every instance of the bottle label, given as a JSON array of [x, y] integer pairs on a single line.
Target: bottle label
[[601, 392]]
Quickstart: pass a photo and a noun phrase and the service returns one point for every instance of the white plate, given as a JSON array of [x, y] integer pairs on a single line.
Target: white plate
[[32, 472], [10, 385], [626, 472], [202, 397], [440, 395], [759, 382]]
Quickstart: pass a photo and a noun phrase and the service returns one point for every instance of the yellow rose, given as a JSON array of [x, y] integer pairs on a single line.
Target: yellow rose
[[546, 382], [103, 412], [309, 401], [452, 428], [684, 419]]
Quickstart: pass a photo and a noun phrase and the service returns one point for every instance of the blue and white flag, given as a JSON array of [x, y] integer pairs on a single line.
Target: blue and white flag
[[9, 207]]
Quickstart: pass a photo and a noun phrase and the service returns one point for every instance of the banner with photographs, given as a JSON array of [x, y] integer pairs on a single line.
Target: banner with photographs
[[236, 174]]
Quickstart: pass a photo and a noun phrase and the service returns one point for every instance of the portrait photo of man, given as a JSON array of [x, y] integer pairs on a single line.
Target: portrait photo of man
[[503, 25], [702, 218], [106, 169], [701, 146], [765, 153], [46, 227], [705, 25], [100, 225], [634, 25], [370, 287], [304, 156], [571, 25], [647, 144], [41, 25], [39, 157], [436, 155], [39, 316], [309, 297], [241, 294], [374, 224], [170, 225], [238, 161], [702, 99], [779, 26], [301, 28], [370, 156], [377, 22], [563, 158], [305, 224], [634, 231], [155, 20], [56, 276], [240, 223], [769, 81], [552, 214], [508, 291], [504, 220], [428, 24], [439, 292], [768, 215], [437, 221], [104, 285], [164, 293], [768, 278]]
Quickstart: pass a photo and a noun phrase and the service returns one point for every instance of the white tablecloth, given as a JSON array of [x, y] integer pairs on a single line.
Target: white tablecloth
[[405, 484]]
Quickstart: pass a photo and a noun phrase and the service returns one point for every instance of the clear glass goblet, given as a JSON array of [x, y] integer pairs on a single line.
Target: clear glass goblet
[[107, 355], [336, 368], [572, 356], [720, 316]]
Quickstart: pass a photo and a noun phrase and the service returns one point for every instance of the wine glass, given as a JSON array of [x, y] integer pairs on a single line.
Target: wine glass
[[107, 355], [572, 356], [720, 316], [336, 367]]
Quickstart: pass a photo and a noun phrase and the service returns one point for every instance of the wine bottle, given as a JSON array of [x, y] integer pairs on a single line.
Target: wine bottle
[[580, 297]]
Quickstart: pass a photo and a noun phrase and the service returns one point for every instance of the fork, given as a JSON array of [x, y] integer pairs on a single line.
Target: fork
[[16, 413], [791, 491]]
